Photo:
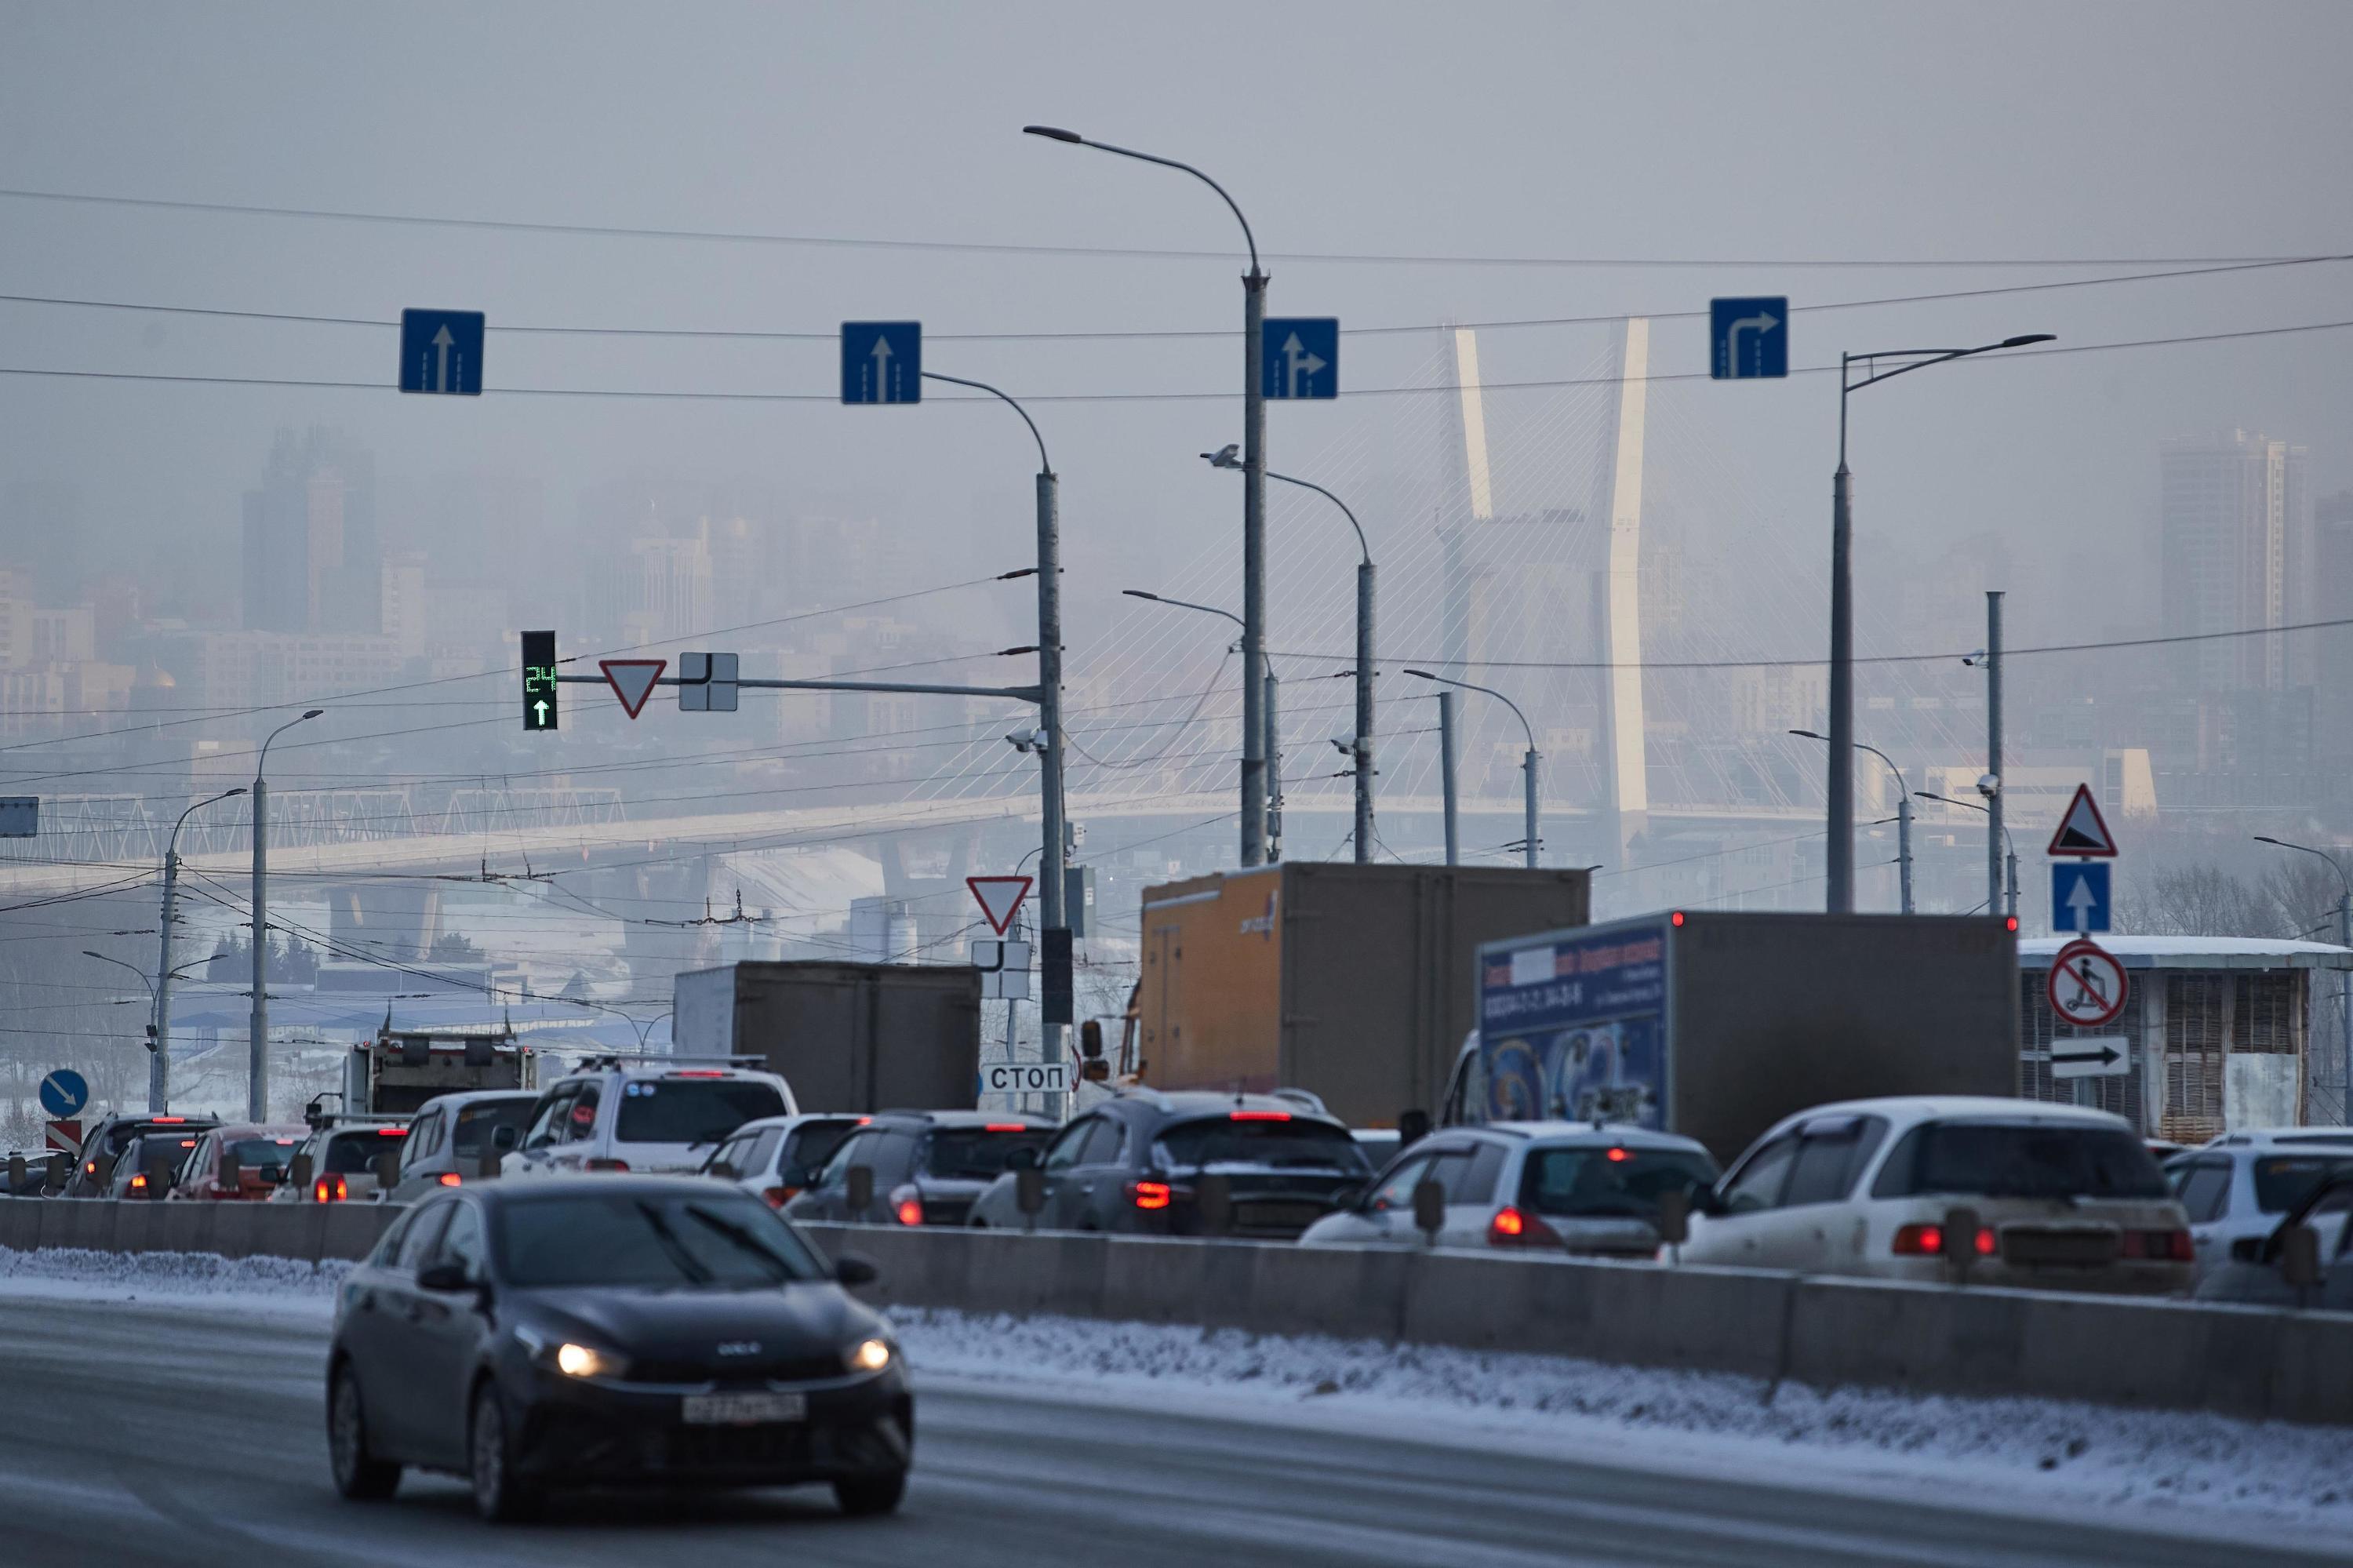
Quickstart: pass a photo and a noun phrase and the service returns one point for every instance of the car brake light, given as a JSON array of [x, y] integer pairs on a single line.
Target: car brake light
[[1258, 1116], [139, 1183], [911, 1210], [1005, 1126], [696, 1073], [1151, 1194], [450, 1178], [2158, 1246], [777, 1197], [1929, 1240], [605, 1165], [167, 1121], [330, 1189], [1619, 1156], [864, 1120], [392, 1132], [1514, 1226]]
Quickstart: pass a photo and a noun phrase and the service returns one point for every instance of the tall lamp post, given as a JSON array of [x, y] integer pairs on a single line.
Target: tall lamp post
[[2344, 981], [1362, 758], [1528, 765], [1995, 829], [159, 1071], [1273, 742], [1903, 817], [1840, 813], [257, 1060], [1254, 784]]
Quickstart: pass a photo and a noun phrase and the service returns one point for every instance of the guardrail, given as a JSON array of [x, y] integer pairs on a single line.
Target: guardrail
[[2255, 1363]]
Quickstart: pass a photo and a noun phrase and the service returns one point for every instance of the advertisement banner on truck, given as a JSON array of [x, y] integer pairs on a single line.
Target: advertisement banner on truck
[[1575, 1028]]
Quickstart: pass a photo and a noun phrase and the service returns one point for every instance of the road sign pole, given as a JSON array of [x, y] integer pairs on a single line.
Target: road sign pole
[[1056, 847], [1838, 858], [1904, 844], [1253, 781], [1446, 777], [1365, 599], [256, 1046], [1273, 766], [1529, 811]]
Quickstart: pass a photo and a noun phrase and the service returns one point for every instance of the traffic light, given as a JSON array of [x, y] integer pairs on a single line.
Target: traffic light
[[539, 688]]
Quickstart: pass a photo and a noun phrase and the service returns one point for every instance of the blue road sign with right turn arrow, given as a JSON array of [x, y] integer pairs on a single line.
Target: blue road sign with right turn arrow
[[2079, 896], [441, 351], [1750, 338], [881, 362], [1299, 356]]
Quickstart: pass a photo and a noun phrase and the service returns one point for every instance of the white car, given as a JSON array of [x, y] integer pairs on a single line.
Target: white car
[[2065, 1198], [344, 1160], [775, 1157], [1556, 1186], [2243, 1183], [643, 1113]]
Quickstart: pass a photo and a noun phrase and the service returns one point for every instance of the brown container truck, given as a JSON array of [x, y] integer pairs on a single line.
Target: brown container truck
[[1354, 982]]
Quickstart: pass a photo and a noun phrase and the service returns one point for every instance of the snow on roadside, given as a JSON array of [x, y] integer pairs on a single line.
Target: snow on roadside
[[2040, 1453], [77, 1274]]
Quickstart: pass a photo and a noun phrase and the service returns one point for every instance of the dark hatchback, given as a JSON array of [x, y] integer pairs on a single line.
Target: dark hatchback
[[1152, 1164], [612, 1329], [928, 1165]]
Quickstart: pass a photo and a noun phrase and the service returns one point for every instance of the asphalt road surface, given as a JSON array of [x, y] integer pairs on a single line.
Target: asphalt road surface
[[172, 1435]]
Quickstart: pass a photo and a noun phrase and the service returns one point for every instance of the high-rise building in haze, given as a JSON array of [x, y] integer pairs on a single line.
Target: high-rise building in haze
[[2235, 552], [311, 548]]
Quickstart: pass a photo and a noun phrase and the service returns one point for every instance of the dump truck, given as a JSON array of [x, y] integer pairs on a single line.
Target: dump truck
[[846, 1036], [1352, 982], [1718, 1025], [400, 1069]]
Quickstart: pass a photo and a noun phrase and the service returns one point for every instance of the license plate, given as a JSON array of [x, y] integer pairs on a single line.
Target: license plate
[[743, 1409]]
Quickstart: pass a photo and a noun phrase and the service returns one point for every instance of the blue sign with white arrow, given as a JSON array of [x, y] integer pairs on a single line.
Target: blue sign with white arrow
[[1299, 356], [63, 1093], [881, 362], [2079, 896], [441, 351], [1750, 338]]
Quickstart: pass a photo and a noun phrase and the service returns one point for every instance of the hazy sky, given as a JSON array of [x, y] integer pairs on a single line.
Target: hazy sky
[[1760, 135]]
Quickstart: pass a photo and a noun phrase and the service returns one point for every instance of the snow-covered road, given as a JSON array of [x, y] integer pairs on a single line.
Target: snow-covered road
[[166, 1410]]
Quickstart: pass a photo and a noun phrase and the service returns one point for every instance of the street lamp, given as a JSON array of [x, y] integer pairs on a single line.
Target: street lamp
[[1254, 782], [1994, 826], [1052, 834], [1840, 812], [1273, 742], [1363, 752], [1902, 816], [1528, 766], [159, 1071], [2344, 979], [257, 1060]]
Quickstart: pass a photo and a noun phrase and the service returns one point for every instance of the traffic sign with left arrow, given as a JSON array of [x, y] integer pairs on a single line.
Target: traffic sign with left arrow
[[441, 351], [1299, 357]]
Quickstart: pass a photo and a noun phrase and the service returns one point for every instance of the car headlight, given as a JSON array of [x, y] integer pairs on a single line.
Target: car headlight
[[581, 1361], [867, 1356]]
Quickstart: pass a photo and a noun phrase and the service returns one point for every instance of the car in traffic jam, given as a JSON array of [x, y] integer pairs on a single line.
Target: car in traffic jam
[[923, 1168]]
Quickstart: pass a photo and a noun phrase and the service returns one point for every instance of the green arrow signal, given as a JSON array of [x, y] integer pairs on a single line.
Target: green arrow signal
[[540, 707]]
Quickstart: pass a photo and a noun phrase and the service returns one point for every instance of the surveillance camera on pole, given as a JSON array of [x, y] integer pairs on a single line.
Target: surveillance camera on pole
[[1990, 785]]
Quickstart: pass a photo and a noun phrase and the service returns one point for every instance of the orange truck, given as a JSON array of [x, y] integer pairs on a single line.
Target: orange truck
[[1354, 982]]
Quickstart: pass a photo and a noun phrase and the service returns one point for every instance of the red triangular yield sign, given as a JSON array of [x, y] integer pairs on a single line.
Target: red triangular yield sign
[[632, 680], [2083, 831], [999, 897]]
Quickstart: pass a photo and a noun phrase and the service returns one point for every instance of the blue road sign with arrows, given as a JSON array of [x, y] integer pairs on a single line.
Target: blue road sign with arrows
[[441, 351], [881, 362], [1750, 338], [2079, 896], [1299, 356], [63, 1093]]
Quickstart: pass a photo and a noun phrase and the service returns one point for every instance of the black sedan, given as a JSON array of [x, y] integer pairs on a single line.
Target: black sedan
[[603, 1330]]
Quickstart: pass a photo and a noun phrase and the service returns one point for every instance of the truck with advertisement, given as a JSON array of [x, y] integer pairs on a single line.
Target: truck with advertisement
[[1716, 1026], [1352, 982]]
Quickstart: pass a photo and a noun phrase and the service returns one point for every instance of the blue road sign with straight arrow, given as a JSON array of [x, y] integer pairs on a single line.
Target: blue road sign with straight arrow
[[881, 362], [1299, 356], [2079, 896], [441, 351], [1749, 338]]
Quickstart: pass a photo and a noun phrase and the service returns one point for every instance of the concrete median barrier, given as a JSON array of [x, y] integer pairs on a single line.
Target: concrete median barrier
[[2255, 1363]]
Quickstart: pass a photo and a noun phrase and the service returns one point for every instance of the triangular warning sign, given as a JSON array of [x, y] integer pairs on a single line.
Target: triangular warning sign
[[999, 898], [632, 680], [2083, 831]]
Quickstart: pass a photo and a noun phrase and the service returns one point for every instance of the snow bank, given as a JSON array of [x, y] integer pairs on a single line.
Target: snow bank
[[2032, 1453], [77, 1274]]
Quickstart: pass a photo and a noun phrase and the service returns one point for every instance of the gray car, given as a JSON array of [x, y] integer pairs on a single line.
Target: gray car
[[453, 1135], [1147, 1162], [928, 1166]]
